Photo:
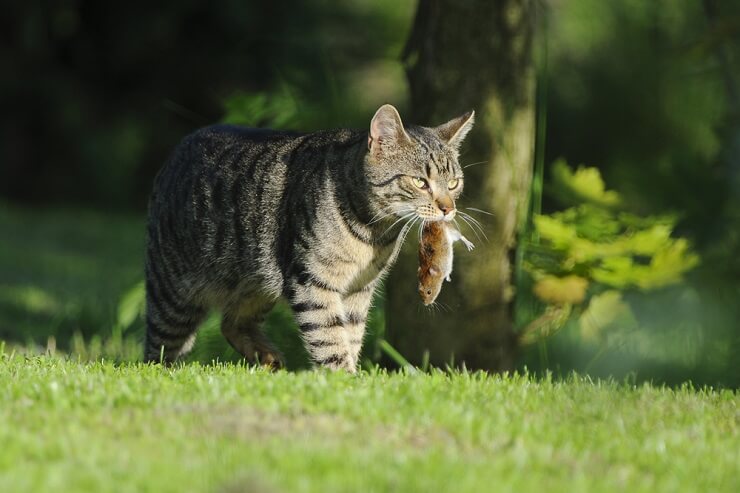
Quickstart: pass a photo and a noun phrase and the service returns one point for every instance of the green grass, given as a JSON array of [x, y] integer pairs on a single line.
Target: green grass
[[63, 272], [71, 426]]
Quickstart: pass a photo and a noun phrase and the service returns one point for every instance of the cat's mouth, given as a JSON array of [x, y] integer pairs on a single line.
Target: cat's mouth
[[449, 217], [431, 213]]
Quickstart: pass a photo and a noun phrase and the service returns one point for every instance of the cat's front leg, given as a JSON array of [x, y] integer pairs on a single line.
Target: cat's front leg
[[319, 311], [357, 306]]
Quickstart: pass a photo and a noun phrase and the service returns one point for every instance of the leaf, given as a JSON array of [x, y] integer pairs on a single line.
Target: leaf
[[606, 311], [555, 231], [556, 290], [616, 272], [547, 324], [583, 185], [275, 110], [669, 264], [131, 305]]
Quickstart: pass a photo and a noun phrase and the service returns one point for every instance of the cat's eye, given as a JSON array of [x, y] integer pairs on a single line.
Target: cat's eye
[[420, 183], [452, 184]]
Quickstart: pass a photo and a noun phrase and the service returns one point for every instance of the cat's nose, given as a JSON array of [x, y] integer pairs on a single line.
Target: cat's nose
[[446, 205]]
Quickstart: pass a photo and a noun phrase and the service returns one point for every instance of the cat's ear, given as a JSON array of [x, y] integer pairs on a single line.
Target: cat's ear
[[386, 130], [454, 131]]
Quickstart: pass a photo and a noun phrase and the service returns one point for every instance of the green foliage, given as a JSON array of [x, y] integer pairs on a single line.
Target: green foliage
[[605, 311], [65, 272], [616, 250], [101, 427], [585, 185], [131, 306], [595, 246], [273, 110]]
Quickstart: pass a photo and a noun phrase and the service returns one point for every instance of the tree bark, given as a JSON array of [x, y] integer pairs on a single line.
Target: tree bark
[[461, 55]]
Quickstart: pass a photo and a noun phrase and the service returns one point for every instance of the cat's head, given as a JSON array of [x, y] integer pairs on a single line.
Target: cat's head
[[414, 171]]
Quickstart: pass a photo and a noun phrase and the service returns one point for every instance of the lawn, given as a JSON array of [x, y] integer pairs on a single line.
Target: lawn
[[73, 426], [63, 272]]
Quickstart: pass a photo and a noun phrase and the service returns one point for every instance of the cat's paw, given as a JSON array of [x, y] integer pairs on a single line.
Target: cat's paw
[[270, 359]]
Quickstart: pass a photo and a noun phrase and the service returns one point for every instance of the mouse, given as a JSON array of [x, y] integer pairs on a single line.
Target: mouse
[[435, 257]]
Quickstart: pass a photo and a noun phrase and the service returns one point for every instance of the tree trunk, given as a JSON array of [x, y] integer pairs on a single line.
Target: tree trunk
[[461, 55]]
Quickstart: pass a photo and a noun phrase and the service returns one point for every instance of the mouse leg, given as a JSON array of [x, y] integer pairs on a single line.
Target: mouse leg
[[468, 244]]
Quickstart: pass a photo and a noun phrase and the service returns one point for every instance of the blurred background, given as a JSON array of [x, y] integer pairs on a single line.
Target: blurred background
[[627, 216]]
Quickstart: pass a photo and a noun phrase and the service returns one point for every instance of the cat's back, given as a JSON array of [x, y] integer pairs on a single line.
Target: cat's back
[[227, 148], [227, 193], [220, 145], [212, 159]]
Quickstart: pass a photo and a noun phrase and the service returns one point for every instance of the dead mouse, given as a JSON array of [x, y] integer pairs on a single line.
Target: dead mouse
[[435, 257]]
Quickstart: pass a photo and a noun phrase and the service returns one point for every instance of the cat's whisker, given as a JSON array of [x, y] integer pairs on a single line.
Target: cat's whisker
[[475, 227], [479, 225], [421, 228], [469, 216], [388, 211], [410, 214], [474, 221], [480, 229], [378, 217], [475, 232], [479, 210], [474, 164], [410, 225], [404, 230]]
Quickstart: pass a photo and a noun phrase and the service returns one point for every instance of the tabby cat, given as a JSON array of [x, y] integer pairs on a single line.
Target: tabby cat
[[239, 217]]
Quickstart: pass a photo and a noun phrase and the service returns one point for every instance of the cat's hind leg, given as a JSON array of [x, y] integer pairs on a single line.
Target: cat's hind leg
[[171, 322], [242, 327]]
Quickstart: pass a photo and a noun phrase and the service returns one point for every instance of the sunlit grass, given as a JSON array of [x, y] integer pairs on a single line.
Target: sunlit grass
[[70, 426]]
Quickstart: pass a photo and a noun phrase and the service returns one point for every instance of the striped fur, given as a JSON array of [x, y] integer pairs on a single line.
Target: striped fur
[[240, 217]]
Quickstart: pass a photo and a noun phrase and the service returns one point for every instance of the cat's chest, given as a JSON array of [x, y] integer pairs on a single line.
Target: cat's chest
[[352, 266], [372, 261]]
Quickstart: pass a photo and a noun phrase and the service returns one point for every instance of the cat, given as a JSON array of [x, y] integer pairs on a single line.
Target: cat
[[239, 217]]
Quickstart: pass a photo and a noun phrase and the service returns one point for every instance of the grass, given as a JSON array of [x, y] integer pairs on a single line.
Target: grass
[[63, 272], [72, 426]]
